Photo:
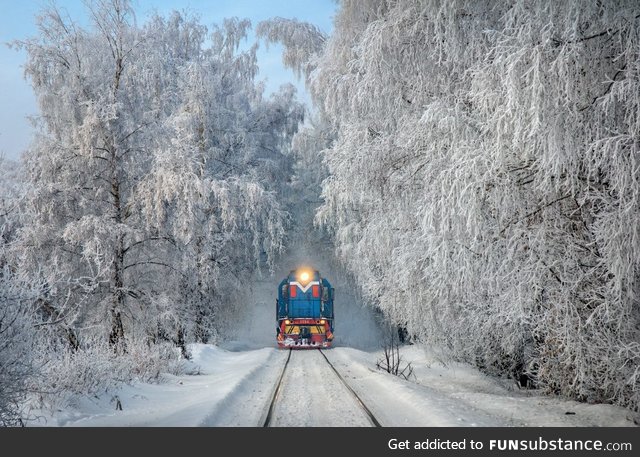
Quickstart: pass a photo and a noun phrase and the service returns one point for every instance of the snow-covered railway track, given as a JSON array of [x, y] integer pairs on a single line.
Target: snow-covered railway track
[[370, 415], [306, 394], [276, 393]]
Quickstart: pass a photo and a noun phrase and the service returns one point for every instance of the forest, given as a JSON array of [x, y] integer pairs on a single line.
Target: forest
[[473, 165]]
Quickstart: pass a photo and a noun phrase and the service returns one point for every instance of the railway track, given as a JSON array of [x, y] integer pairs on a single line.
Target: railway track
[[276, 393], [279, 386]]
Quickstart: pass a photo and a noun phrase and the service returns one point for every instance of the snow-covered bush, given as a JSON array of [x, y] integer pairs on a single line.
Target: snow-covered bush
[[17, 365], [66, 375]]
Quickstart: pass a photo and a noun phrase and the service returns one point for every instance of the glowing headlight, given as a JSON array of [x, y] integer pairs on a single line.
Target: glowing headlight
[[304, 275], [287, 322], [322, 321]]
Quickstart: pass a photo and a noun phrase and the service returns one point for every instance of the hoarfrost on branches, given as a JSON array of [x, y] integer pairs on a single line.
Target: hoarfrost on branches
[[479, 180], [482, 180], [153, 186]]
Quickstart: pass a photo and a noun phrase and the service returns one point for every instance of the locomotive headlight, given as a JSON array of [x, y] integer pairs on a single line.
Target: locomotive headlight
[[322, 321], [287, 322], [304, 276]]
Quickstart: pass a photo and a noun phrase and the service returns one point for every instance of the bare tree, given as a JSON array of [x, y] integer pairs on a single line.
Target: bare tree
[[392, 361]]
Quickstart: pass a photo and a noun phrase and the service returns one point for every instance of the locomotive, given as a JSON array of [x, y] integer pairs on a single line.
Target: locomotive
[[304, 310]]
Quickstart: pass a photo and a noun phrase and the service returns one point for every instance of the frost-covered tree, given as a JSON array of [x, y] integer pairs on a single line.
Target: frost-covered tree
[[16, 340], [216, 184], [482, 183], [17, 293], [89, 155], [156, 171], [558, 99], [303, 44]]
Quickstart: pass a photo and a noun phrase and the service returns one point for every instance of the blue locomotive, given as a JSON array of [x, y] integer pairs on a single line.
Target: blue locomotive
[[304, 310]]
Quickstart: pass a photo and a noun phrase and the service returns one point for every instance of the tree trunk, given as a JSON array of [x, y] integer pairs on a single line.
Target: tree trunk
[[181, 343], [116, 337], [201, 334]]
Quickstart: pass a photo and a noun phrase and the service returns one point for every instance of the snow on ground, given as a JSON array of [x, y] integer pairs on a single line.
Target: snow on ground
[[234, 382], [455, 394], [233, 388], [187, 400]]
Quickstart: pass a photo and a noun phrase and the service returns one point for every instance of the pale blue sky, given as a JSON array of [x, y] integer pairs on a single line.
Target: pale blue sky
[[17, 21]]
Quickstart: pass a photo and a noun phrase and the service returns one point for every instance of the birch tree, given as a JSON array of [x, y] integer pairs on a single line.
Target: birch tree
[[156, 170]]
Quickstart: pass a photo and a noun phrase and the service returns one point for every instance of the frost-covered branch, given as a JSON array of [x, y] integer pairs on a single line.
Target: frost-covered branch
[[426, 200], [302, 42], [154, 185]]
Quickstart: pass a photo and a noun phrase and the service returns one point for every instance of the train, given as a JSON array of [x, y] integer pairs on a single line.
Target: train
[[304, 310]]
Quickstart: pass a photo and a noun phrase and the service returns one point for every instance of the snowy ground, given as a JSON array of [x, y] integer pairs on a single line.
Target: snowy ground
[[235, 382], [233, 389]]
